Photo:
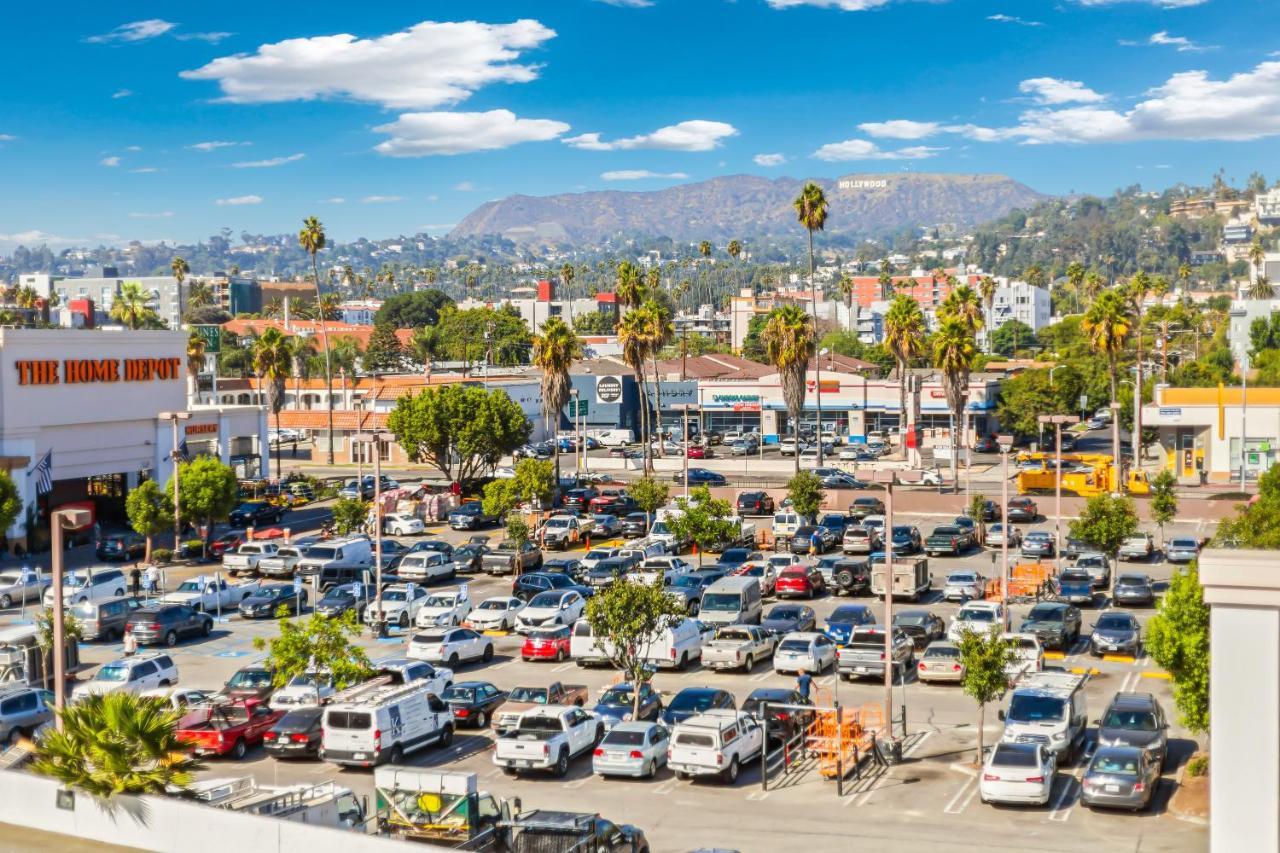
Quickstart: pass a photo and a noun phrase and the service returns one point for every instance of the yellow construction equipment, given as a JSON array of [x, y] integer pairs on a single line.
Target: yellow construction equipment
[[1099, 476]]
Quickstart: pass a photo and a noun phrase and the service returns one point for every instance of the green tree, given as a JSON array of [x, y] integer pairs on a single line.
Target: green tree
[[412, 310], [273, 361], [649, 493], [978, 512], [805, 490], [1178, 640], [1164, 501], [535, 481], [594, 323], [517, 528], [117, 743], [385, 354], [1108, 324], [150, 511], [1011, 336], [904, 328], [349, 515], [319, 643], [208, 491], [703, 520], [1255, 525], [130, 306], [1023, 398], [462, 430], [753, 342], [984, 657], [624, 617], [789, 344], [554, 352], [953, 354], [312, 239], [634, 338], [72, 632], [10, 503], [1106, 522]]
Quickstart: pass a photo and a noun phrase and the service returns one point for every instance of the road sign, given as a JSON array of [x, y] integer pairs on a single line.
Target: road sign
[[212, 338], [578, 408], [1084, 400]]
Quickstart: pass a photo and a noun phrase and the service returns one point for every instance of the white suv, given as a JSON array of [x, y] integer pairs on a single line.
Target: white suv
[[145, 671]]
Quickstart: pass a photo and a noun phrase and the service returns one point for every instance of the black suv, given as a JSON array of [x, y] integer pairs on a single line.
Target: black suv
[[1056, 625], [121, 546], [635, 525], [530, 584], [253, 513], [167, 623]]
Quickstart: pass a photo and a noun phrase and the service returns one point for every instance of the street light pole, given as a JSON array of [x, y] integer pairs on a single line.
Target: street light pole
[[61, 520], [1057, 421], [174, 418], [888, 478], [1244, 411], [1006, 444], [375, 440]]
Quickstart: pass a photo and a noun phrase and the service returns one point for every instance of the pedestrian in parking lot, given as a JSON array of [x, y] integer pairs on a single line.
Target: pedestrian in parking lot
[[149, 577], [130, 643], [804, 683], [135, 578]]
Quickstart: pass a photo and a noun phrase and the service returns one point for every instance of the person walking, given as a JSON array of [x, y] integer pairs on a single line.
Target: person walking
[[804, 683], [135, 578], [130, 643], [149, 577]]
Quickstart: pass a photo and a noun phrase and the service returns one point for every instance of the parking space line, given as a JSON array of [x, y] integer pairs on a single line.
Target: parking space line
[[577, 783], [1062, 810], [758, 795], [956, 806], [1058, 813], [761, 676], [562, 667], [666, 787]]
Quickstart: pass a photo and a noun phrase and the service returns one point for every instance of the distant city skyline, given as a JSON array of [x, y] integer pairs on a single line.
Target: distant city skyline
[[152, 122]]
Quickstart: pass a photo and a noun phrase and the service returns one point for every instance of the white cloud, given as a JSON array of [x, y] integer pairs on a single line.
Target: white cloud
[[7, 137], [145, 170], [899, 129], [164, 214], [1050, 90], [628, 4], [36, 237], [428, 65], [465, 187], [110, 162], [640, 175], [136, 31], [433, 197], [235, 201], [335, 200], [842, 5], [269, 163], [211, 38], [769, 159], [1179, 43], [424, 134], [121, 93], [1014, 19], [381, 199], [862, 149], [134, 148], [693, 135], [206, 147], [1163, 4]]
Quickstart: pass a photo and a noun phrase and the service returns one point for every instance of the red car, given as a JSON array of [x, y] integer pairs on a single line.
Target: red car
[[224, 543], [550, 644], [697, 451], [800, 580], [227, 728]]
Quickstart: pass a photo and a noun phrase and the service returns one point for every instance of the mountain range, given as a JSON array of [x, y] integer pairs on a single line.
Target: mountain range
[[749, 207]]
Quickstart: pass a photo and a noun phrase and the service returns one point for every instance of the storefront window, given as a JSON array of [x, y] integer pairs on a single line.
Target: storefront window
[[726, 421]]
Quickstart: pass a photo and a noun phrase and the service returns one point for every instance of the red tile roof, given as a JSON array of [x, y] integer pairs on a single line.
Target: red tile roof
[[344, 419]]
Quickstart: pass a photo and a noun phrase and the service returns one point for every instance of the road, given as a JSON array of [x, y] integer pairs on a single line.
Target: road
[[930, 800]]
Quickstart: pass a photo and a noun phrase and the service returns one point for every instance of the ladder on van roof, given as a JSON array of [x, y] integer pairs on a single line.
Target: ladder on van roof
[[375, 691]]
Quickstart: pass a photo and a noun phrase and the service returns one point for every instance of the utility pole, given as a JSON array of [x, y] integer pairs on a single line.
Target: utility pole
[[59, 521], [1006, 444], [1057, 421], [1244, 412], [174, 418]]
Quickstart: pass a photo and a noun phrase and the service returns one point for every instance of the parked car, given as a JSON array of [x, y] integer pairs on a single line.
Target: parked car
[[632, 749], [21, 585], [255, 514], [267, 601], [1134, 589], [1137, 547], [755, 503], [696, 700], [450, 646], [471, 516], [922, 626], [1039, 544], [940, 662], [309, 689], [1116, 632], [402, 524], [1018, 774], [121, 546], [443, 608], [996, 535], [168, 623], [400, 603], [701, 477], [547, 738], [948, 539], [91, 585], [142, 671], [227, 728], [977, 616], [785, 619], [635, 525], [864, 506], [812, 539], [617, 703], [785, 718], [295, 735], [551, 608], [859, 540], [990, 510], [495, 614], [1120, 777], [511, 557], [468, 558], [737, 647], [963, 585], [1098, 566], [851, 577], [715, 743], [1182, 549], [800, 580], [338, 599], [1075, 546], [806, 651], [1022, 509], [546, 644], [225, 543], [253, 681], [844, 619], [1075, 586], [1056, 626], [473, 702]]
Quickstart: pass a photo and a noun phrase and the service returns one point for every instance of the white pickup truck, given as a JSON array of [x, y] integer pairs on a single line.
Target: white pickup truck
[[715, 743], [209, 594], [735, 646], [282, 563], [547, 738], [247, 558]]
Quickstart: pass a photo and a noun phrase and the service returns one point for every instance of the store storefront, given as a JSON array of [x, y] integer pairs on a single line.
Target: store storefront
[[79, 413], [1200, 431]]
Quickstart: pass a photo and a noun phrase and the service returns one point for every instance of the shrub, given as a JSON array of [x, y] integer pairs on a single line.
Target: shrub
[[1198, 765], [162, 555]]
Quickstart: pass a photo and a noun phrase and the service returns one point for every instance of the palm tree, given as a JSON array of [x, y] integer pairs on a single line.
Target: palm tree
[[1107, 323], [904, 336], [554, 352], [953, 354], [1075, 275], [566, 278], [1184, 275], [117, 743], [660, 333], [199, 295], [789, 343], [629, 288], [1261, 288], [195, 358], [1093, 282], [735, 250], [273, 360], [634, 337], [885, 279], [846, 290], [130, 306], [964, 304], [1257, 254], [811, 212], [312, 239], [704, 248], [180, 270], [987, 290], [1034, 275]]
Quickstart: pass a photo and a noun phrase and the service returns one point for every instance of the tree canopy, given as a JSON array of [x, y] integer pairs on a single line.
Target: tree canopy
[[805, 491], [1178, 640], [412, 310], [703, 520], [535, 480], [208, 490], [984, 657], [10, 503], [318, 643], [462, 430], [1106, 522], [150, 511]]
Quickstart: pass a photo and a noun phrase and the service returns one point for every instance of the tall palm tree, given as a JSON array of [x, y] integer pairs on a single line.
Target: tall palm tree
[[704, 248], [1261, 288], [987, 290], [1093, 282], [1257, 254], [180, 269], [811, 212], [195, 358], [567, 274], [953, 354], [964, 304], [554, 352], [661, 331], [885, 279], [273, 361], [130, 306], [312, 239], [200, 295], [1140, 286], [1184, 275], [789, 343], [1108, 324], [117, 743], [634, 336], [630, 287], [846, 290], [735, 251], [904, 336]]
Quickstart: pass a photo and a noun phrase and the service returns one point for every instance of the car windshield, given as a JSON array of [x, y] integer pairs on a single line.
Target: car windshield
[[253, 678], [10, 578], [1045, 614], [113, 672], [982, 615], [901, 530], [494, 604], [559, 522], [1126, 765], [784, 613], [1029, 708], [793, 646], [913, 619], [1134, 721], [847, 614], [459, 694], [439, 601], [394, 595], [546, 599], [721, 601], [1131, 580], [533, 695], [624, 738], [941, 531], [950, 652], [1182, 543], [687, 582], [321, 552], [962, 577], [1115, 621], [617, 696], [692, 701], [734, 634], [1078, 577], [309, 679]]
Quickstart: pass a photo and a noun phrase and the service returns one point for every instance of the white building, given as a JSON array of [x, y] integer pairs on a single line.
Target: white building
[[90, 401], [1241, 316], [1266, 206], [164, 295], [1017, 300], [359, 312]]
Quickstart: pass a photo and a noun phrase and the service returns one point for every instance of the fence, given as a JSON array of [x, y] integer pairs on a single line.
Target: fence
[[837, 740]]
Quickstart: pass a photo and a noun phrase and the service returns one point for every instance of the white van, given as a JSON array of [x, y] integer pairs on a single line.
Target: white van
[[426, 566], [786, 522], [585, 649], [615, 437], [675, 646], [379, 722], [731, 601], [355, 552]]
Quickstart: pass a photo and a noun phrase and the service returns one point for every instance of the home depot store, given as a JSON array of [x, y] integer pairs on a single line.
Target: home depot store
[[90, 401]]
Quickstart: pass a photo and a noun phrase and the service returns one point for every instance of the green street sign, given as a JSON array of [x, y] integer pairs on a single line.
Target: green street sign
[[212, 338], [580, 410]]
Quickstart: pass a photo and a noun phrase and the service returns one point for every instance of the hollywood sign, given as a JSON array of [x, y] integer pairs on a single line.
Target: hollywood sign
[[849, 184]]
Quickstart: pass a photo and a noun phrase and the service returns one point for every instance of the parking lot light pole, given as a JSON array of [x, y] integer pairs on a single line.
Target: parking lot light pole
[[1006, 444], [59, 521], [174, 418], [375, 441], [887, 478], [1057, 421]]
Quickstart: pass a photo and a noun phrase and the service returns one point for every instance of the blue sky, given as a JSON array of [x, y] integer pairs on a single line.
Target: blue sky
[[167, 121]]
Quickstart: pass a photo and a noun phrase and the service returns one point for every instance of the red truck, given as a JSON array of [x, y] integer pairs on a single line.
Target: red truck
[[227, 728]]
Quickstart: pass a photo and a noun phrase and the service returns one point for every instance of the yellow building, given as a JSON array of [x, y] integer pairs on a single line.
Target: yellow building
[[1204, 430]]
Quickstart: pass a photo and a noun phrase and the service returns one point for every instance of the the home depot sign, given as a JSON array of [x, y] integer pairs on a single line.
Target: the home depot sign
[[79, 371]]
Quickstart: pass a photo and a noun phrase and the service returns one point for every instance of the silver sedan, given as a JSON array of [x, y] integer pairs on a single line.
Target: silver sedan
[[1120, 777], [632, 749]]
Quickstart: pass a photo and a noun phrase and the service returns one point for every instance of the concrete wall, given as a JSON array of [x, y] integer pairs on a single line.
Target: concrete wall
[[159, 823]]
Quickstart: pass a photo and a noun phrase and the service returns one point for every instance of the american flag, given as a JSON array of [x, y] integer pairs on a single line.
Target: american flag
[[44, 474], [184, 451]]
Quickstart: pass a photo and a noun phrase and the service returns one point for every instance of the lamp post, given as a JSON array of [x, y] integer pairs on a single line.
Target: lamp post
[[1244, 411], [174, 418], [888, 478], [1057, 421], [375, 441], [60, 520], [578, 451], [1006, 444]]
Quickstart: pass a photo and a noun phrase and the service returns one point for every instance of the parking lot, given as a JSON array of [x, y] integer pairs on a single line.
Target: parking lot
[[930, 798]]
